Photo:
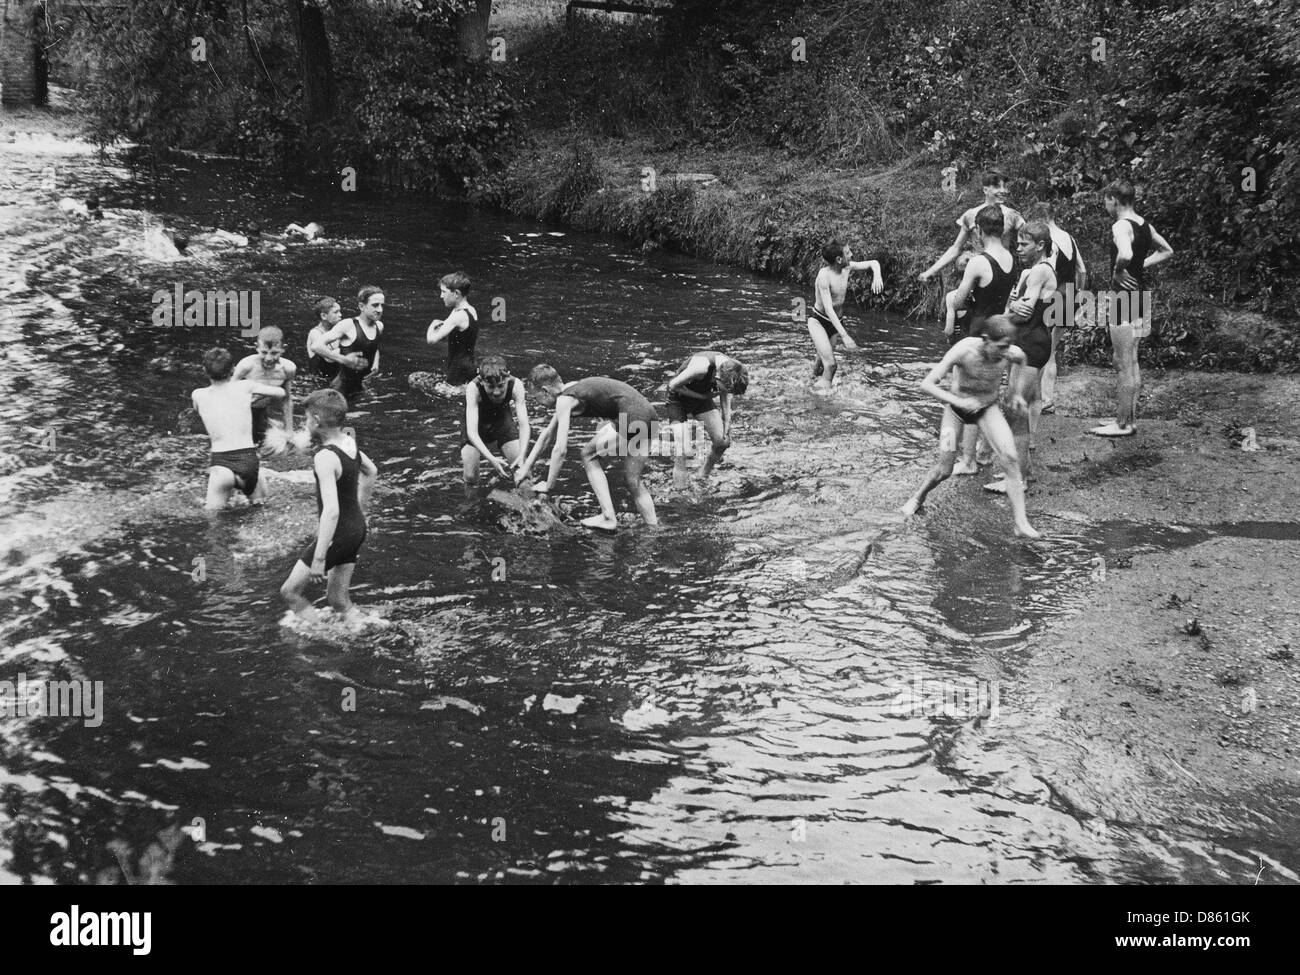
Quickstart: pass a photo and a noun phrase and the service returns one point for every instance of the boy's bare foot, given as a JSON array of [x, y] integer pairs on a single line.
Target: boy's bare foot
[[600, 521], [1027, 531], [965, 467], [910, 508], [1113, 430]]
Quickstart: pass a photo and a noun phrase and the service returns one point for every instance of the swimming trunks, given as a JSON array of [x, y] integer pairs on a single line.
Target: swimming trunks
[[242, 463], [496, 423], [350, 532], [460, 351], [820, 318], [966, 416], [681, 407], [610, 399]]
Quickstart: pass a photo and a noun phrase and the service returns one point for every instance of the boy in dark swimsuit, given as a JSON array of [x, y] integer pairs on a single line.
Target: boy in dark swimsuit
[[344, 479], [978, 365], [609, 401], [984, 288], [691, 395], [226, 409], [459, 328], [1028, 303], [824, 324], [489, 401], [995, 194], [1071, 278], [1135, 247], [269, 367], [358, 340]]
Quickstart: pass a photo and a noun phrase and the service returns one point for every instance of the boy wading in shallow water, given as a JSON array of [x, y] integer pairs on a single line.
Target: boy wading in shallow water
[[605, 399], [824, 324], [978, 364], [1135, 246], [489, 402], [459, 328], [344, 479], [226, 409], [691, 394], [269, 367]]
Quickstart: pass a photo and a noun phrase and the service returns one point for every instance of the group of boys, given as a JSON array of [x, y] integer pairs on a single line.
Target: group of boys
[[236, 411]]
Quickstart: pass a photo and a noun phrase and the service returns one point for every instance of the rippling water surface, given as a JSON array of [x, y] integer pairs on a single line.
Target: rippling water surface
[[752, 693]]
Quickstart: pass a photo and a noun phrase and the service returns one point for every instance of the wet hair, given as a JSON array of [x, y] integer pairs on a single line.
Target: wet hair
[[1121, 191], [456, 281], [833, 250], [493, 367], [323, 306], [366, 293], [270, 333], [990, 221], [218, 363], [733, 377], [328, 406], [1039, 233], [542, 375], [992, 177], [998, 327], [1040, 211]]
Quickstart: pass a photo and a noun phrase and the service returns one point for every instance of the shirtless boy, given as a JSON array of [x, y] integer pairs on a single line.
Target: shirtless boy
[[489, 402], [978, 364], [824, 323], [995, 194], [702, 389], [226, 408], [610, 402], [268, 367]]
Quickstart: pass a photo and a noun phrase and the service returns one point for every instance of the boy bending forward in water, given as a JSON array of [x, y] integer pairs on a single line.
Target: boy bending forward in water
[[611, 402], [344, 479], [824, 324], [978, 365], [226, 409], [489, 402]]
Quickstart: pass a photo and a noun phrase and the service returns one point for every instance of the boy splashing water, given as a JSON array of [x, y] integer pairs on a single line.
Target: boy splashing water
[[226, 409], [344, 479], [824, 324], [978, 364]]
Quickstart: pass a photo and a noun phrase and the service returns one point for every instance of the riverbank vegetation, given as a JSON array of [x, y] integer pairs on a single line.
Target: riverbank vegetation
[[866, 118]]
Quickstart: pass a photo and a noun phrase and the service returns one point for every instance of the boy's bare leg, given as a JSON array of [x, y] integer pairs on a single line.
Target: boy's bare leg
[[1023, 382], [1049, 374], [633, 466], [712, 423], [949, 431], [221, 481], [469, 458], [681, 463], [336, 590], [995, 428], [967, 464], [259, 492], [824, 368], [292, 591], [604, 442], [1124, 340]]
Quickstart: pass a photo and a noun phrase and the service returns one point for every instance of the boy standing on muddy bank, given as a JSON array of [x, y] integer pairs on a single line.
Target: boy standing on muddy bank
[[978, 365], [824, 323], [226, 408], [1135, 246], [995, 194], [613, 402], [1071, 278]]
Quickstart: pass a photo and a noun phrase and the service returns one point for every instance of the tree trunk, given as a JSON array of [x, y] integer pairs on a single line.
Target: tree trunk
[[314, 62], [473, 27]]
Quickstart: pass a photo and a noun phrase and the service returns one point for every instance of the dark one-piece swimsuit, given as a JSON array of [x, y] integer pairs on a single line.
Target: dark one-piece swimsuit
[[496, 422], [460, 352], [681, 407], [351, 529], [348, 381], [1033, 336]]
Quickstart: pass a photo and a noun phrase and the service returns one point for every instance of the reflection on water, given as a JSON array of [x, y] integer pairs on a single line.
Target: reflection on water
[[717, 699]]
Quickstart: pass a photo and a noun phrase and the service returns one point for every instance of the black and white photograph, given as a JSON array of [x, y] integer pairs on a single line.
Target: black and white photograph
[[662, 442]]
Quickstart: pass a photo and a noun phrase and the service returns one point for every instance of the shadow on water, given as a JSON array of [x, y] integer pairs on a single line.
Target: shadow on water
[[740, 694]]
